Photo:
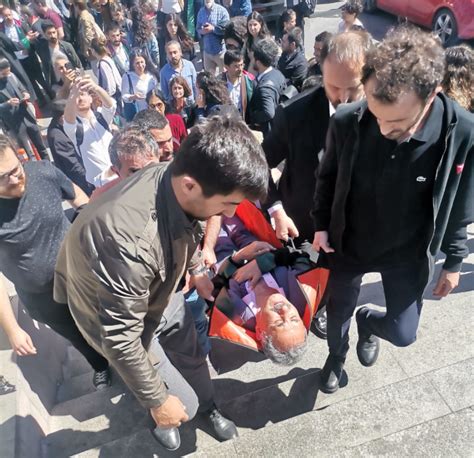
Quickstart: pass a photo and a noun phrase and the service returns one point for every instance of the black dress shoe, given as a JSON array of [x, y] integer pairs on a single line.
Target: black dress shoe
[[368, 345], [168, 438], [331, 374], [224, 428]]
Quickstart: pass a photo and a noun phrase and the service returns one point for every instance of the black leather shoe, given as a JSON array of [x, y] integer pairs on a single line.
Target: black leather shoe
[[168, 438], [331, 375], [224, 428], [368, 346]]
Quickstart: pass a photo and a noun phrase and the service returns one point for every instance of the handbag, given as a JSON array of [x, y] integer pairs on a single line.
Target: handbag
[[129, 108]]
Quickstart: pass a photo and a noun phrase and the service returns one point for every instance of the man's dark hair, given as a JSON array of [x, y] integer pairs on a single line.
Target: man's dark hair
[[4, 64], [236, 30], [57, 108], [149, 119], [266, 51], [353, 7], [323, 37], [223, 156], [408, 59], [46, 25], [232, 56], [40, 2], [349, 48], [295, 36], [113, 27]]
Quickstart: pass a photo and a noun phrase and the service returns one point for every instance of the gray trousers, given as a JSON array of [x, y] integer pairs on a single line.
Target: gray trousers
[[179, 360]]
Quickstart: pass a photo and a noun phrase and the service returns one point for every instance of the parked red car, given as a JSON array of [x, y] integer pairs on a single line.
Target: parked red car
[[449, 19]]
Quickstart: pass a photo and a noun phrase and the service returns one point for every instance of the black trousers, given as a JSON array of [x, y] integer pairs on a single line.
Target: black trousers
[[43, 308], [403, 286], [32, 67], [29, 130]]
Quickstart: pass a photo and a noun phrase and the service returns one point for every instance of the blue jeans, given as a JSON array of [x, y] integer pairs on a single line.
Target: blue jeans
[[198, 308]]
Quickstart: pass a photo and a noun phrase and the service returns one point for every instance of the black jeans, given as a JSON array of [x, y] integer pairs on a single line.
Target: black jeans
[[403, 286], [43, 308], [29, 130]]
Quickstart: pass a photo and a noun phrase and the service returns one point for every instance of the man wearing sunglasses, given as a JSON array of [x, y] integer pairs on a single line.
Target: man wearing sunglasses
[[395, 186], [32, 227]]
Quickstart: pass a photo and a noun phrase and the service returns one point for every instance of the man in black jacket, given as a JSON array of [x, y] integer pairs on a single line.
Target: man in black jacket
[[394, 187], [64, 151], [299, 132], [292, 62], [52, 47], [269, 87]]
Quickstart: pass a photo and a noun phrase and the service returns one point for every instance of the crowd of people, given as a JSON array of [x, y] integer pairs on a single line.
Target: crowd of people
[[373, 145]]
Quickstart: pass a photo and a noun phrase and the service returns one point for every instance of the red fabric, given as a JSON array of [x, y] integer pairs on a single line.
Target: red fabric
[[178, 129], [256, 223]]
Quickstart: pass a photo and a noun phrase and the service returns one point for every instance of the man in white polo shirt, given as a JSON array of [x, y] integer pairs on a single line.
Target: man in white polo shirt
[[90, 130]]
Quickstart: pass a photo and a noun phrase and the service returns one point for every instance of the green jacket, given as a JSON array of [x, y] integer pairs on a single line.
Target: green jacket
[[118, 267]]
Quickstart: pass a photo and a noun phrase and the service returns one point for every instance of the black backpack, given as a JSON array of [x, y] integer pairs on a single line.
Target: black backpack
[[308, 7]]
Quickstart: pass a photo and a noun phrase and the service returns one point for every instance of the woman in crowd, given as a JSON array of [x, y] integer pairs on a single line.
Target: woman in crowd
[[182, 101], [458, 81], [144, 38], [136, 84], [107, 73], [166, 7], [156, 101], [175, 30], [256, 30], [213, 97]]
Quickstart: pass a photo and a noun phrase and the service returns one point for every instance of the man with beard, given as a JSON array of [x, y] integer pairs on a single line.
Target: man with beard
[[52, 47], [32, 227], [123, 259], [177, 66], [299, 131], [118, 50], [17, 114], [395, 186], [292, 62]]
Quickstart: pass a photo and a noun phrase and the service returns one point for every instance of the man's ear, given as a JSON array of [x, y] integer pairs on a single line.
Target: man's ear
[[189, 186]]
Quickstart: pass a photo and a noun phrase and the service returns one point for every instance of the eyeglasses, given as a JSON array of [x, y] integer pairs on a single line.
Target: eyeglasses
[[16, 172]]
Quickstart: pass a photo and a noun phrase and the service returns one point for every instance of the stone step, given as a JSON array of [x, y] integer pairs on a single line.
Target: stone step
[[75, 367], [75, 387]]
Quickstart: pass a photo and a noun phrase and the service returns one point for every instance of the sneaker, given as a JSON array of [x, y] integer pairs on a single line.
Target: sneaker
[[5, 386], [101, 379]]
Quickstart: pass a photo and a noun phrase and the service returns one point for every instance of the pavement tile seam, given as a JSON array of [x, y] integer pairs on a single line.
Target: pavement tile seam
[[412, 427]]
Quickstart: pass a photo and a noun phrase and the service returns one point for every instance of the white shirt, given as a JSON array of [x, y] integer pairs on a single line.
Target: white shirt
[[235, 93], [170, 6], [341, 27], [94, 149], [12, 33], [108, 75], [139, 85]]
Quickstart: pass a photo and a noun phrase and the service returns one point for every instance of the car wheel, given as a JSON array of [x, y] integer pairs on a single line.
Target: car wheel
[[444, 25], [370, 6]]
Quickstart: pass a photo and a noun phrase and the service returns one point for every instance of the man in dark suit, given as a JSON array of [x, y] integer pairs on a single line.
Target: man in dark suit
[[292, 62], [7, 50], [299, 132], [16, 114], [50, 48], [270, 85]]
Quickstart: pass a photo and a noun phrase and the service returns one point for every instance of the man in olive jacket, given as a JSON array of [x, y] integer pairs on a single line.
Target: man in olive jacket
[[123, 259]]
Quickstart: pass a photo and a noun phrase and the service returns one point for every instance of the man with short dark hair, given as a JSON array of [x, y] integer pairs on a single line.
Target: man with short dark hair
[[270, 85], [395, 186], [240, 83], [32, 227], [210, 24], [137, 240], [320, 41], [52, 47], [292, 62], [49, 16], [177, 66], [17, 114], [118, 49]]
